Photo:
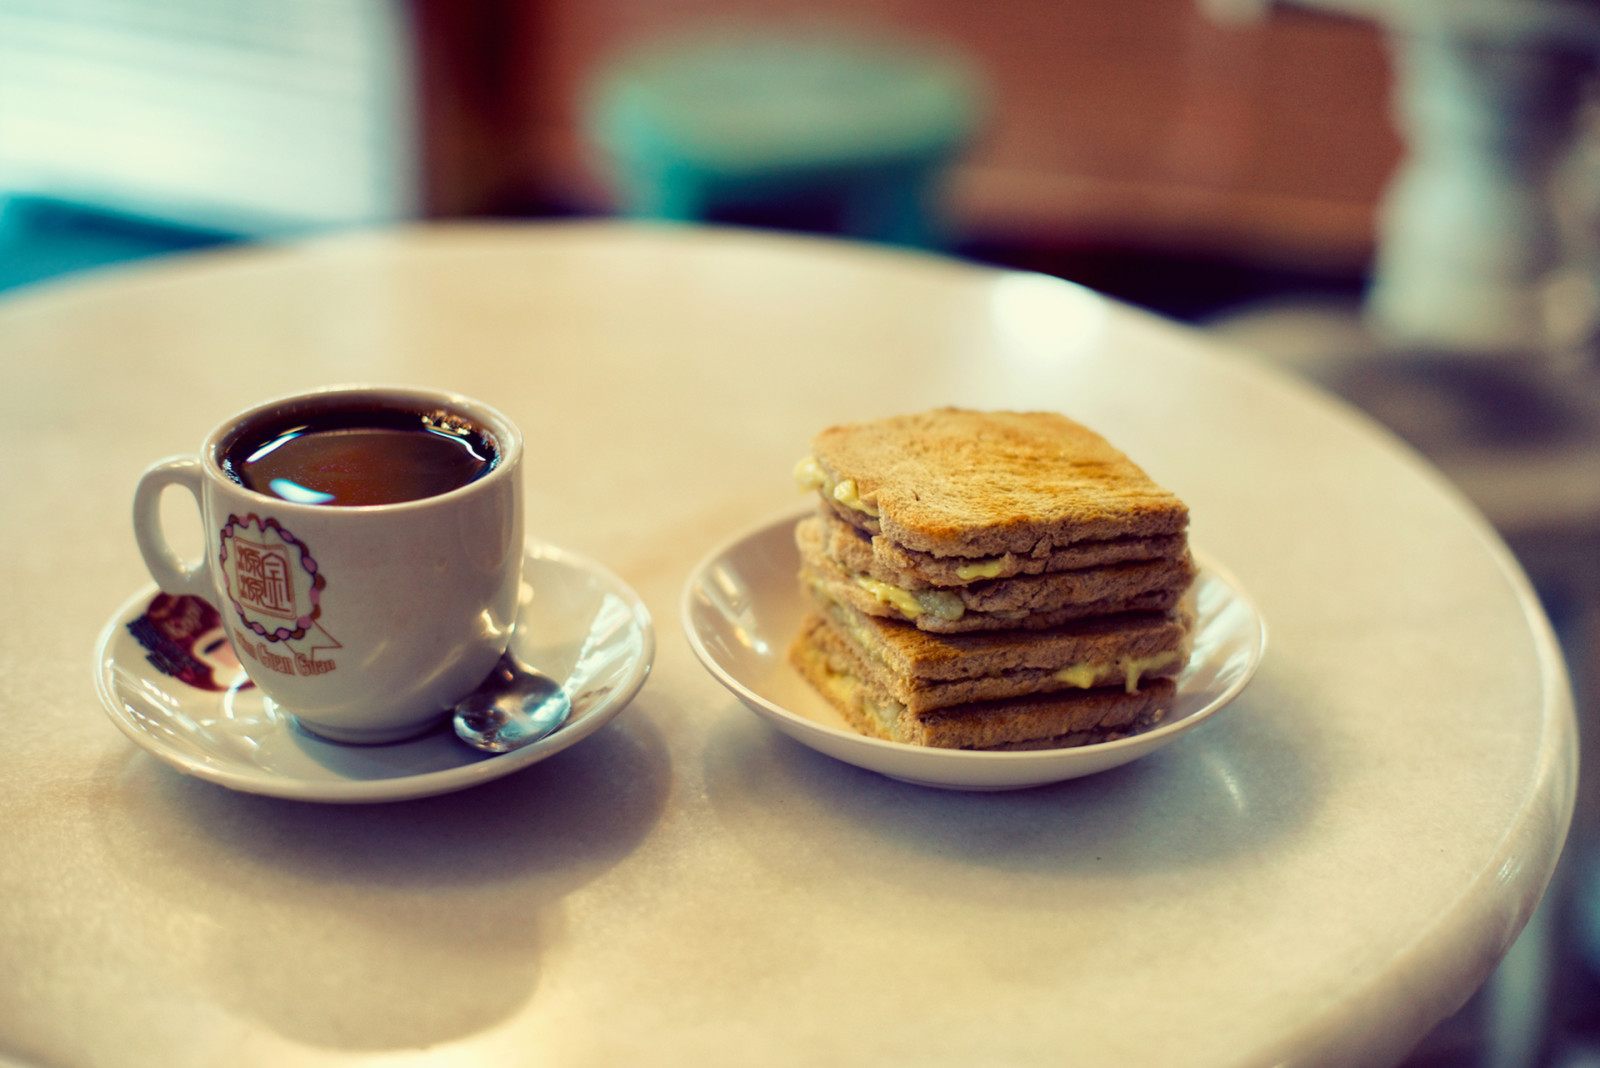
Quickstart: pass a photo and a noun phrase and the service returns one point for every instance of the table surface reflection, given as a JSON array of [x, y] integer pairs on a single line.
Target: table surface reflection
[[1317, 875]]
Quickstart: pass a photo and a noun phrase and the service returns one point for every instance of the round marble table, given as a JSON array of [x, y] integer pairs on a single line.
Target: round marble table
[[1315, 876]]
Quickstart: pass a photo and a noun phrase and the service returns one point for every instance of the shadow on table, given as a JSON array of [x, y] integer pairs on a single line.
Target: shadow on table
[[367, 927], [1218, 796]]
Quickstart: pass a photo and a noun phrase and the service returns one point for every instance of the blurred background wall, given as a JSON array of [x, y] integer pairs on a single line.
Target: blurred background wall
[[1110, 128], [1139, 125]]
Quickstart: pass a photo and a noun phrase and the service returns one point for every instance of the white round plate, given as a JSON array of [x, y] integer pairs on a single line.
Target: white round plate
[[190, 705], [743, 606]]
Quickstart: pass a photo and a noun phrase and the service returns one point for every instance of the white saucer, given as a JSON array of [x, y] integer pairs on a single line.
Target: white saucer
[[743, 606], [578, 623]]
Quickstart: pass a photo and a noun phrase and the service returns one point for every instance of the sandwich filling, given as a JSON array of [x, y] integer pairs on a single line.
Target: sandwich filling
[[912, 603], [810, 475]]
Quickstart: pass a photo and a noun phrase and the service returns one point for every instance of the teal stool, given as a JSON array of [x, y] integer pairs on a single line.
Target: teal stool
[[694, 129]]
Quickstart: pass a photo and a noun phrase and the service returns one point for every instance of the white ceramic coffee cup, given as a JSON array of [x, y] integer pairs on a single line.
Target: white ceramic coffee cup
[[365, 623]]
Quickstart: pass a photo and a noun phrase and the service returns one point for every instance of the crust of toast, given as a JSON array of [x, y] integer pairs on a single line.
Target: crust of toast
[[1036, 721], [953, 482]]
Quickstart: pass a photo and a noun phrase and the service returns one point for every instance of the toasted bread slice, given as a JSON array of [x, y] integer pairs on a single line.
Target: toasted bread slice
[[924, 671], [878, 556], [952, 482], [852, 594], [1027, 601], [1039, 721]]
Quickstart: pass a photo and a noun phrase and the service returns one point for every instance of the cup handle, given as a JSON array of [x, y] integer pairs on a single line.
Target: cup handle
[[171, 574]]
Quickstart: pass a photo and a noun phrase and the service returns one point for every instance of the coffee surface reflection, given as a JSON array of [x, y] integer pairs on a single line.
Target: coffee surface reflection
[[359, 456]]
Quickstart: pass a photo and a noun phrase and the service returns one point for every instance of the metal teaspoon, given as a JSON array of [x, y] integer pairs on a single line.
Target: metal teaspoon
[[515, 706]]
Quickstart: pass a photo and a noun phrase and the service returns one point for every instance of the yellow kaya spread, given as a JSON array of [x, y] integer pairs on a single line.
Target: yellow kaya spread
[[1084, 675], [1081, 675], [884, 712], [911, 604], [981, 569], [810, 475]]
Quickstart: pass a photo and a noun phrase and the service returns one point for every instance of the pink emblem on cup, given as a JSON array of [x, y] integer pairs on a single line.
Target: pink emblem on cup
[[272, 579]]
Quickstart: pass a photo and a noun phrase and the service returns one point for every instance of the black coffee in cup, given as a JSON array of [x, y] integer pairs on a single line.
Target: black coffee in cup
[[358, 455]]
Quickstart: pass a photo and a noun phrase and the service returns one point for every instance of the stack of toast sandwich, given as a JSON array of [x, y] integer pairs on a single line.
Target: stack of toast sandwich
[[990, 580]]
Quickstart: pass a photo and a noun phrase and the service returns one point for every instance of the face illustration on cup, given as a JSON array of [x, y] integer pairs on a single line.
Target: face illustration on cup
[[364, 546]]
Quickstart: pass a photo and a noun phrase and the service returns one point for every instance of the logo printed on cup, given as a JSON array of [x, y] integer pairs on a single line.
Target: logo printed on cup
[[275, 588], [272, 578]]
